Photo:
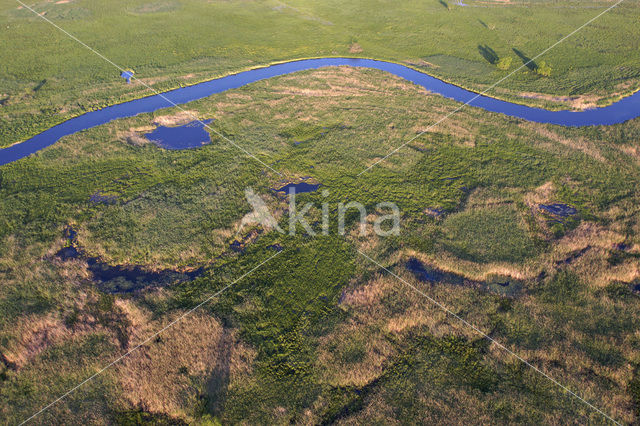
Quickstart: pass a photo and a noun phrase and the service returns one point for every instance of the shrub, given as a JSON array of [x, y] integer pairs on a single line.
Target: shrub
[[504, 63], [544, 69]]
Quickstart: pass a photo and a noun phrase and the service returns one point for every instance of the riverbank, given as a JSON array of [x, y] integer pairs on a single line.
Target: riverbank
[[532, 99], [618, 112]]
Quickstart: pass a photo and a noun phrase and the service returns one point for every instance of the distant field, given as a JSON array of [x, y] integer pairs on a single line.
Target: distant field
[[45, 77]]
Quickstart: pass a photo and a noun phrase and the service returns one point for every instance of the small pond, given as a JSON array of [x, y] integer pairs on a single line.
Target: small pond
[[122, 278], [300, 187], [562, 210], [191, 135]]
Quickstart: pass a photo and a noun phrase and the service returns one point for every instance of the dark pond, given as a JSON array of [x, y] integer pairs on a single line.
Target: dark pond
[[298, 187], [621, 111], [123, 278], [561, 210], [100, 198], [191, 135], [621, 246]]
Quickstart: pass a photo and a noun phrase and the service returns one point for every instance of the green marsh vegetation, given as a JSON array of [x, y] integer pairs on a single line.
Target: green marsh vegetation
[[47, 77], [322, 335]]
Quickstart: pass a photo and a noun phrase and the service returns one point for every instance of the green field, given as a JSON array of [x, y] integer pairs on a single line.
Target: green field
[[319, 334], [46, 77]]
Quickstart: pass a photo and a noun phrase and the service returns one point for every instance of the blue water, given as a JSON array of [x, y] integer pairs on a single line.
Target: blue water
[[190, 135], [561, 210], [299, 188], [623, 110]]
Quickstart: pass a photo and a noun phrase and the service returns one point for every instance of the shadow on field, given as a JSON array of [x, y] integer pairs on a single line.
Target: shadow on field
[[488, 53], [219, 380], [526, 60], [39, 85]]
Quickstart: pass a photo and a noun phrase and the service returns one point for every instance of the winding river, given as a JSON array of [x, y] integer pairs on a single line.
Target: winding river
[[623, 110]]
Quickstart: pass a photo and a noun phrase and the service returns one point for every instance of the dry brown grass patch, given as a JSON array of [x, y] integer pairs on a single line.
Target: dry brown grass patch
[[342, 81], [35, 335], [168, 374], [541, 195], [475, 271], [177, 119], [464, 136], [337, 372], [355, 48]]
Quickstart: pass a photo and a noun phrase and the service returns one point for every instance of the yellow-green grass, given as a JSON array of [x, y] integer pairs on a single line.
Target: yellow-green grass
[[319, 308]]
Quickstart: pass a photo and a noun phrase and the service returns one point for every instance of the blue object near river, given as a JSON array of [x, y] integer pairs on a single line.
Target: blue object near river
[[127, 76]]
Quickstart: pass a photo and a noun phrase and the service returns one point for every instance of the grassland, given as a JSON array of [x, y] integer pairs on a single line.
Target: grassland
[[47, 77], [320, 335]]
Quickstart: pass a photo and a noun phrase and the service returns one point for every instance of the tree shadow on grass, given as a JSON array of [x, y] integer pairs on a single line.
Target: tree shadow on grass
[[488, 53], [218, 382], [527, 61], [39, 85]]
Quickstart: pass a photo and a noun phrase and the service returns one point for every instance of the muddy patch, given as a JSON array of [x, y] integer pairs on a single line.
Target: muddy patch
[[99, 197], [435, 212], [621, 246], [355, 48], [239, 244]]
